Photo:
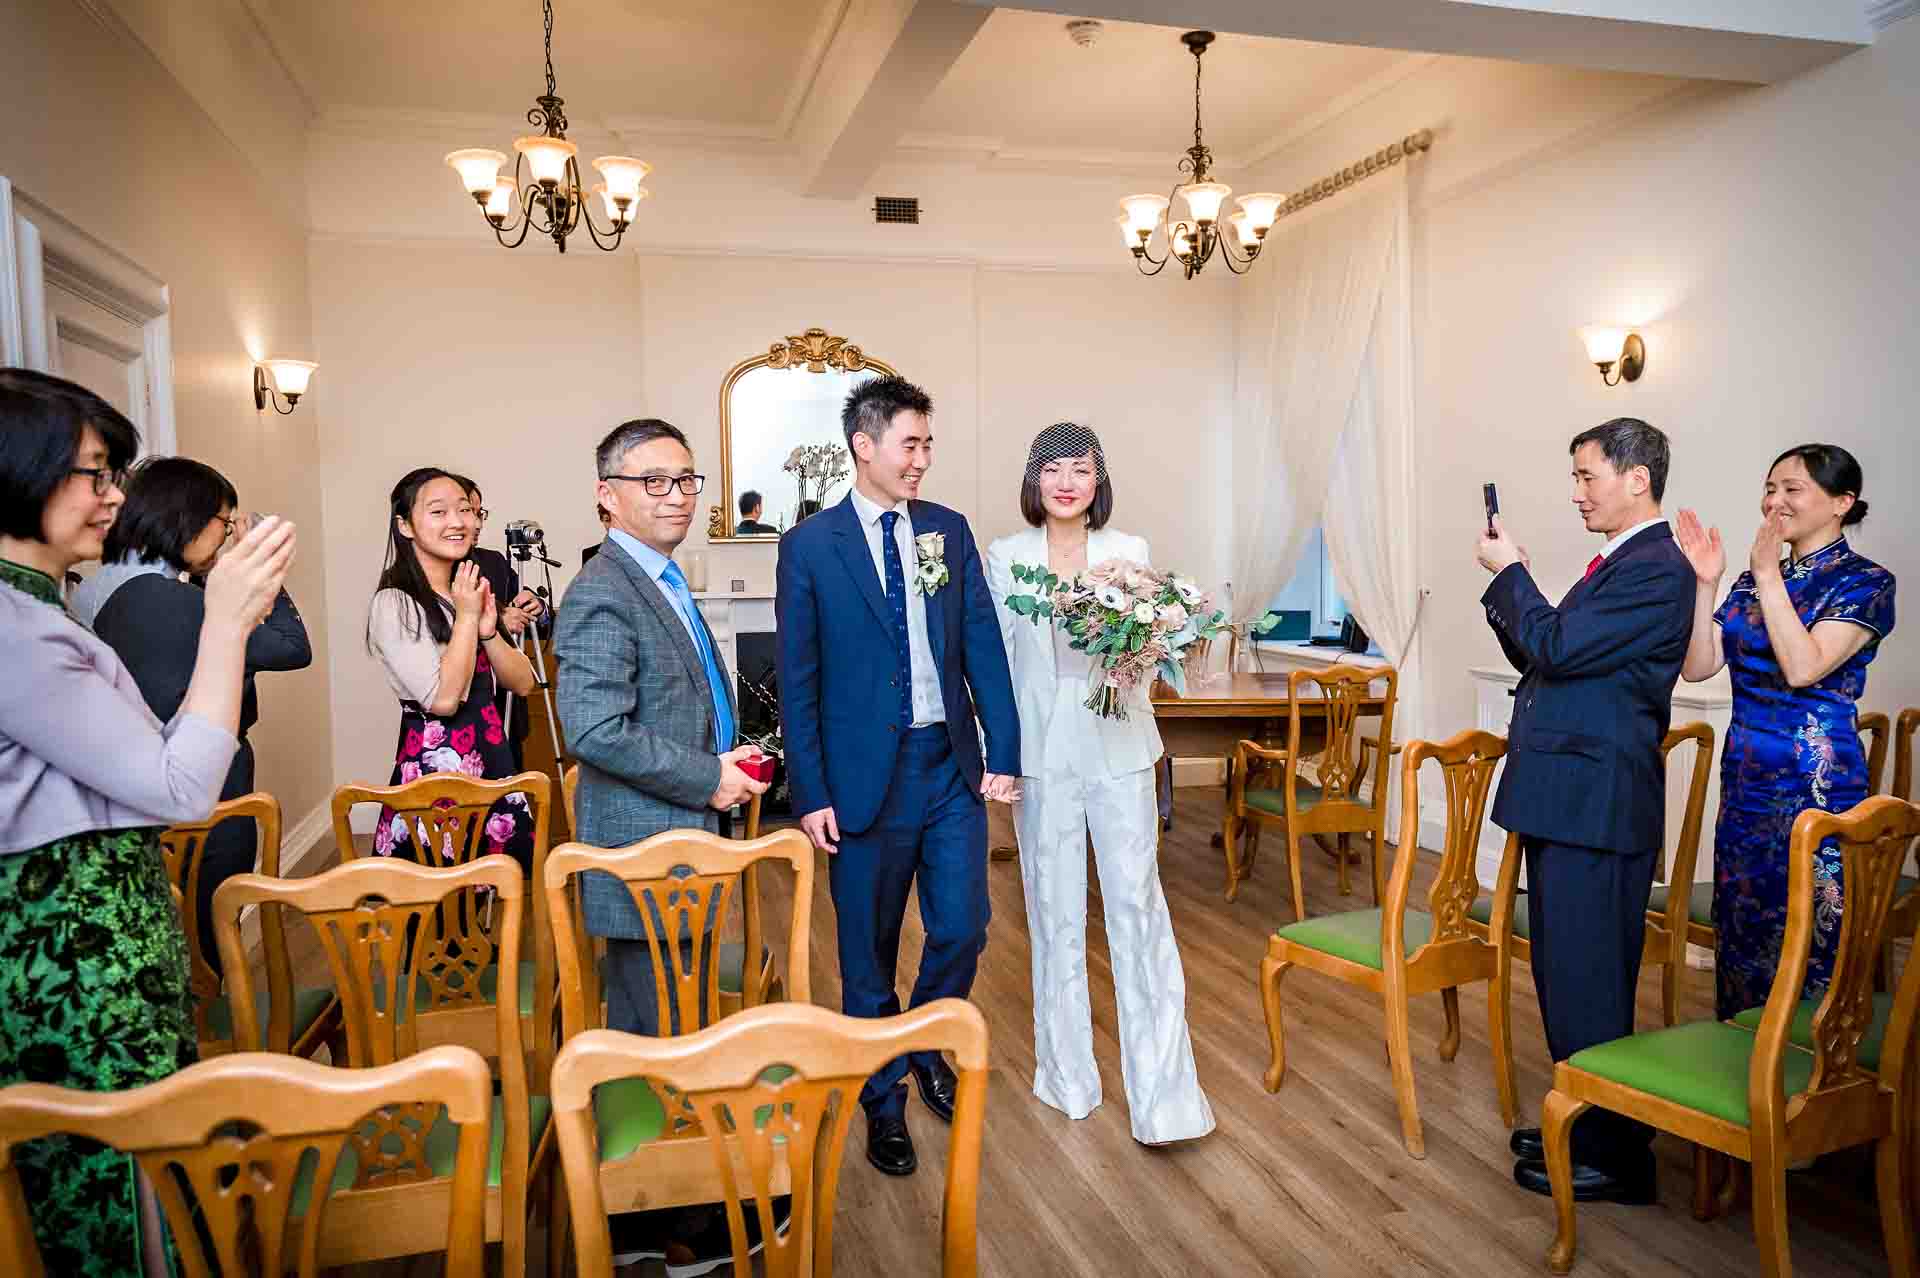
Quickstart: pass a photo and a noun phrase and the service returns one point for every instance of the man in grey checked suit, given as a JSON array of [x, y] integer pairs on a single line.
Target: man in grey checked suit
[[645, 698]]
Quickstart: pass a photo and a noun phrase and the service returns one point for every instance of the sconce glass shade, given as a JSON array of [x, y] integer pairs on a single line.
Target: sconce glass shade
[[547, 157], [477, 168], [502, 200], [291, 376], [1261, 208], [623, 174], [1204, 199], [1603, 344], [1143, 213], [1242, 224]]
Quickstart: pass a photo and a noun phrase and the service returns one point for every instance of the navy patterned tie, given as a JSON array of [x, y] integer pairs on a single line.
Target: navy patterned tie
[[897, 610]]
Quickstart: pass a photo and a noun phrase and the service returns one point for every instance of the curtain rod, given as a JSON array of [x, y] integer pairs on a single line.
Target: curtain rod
[[1386, 157]]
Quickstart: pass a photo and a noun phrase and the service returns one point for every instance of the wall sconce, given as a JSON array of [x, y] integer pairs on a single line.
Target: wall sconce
[[290, 376], [1608, 346]]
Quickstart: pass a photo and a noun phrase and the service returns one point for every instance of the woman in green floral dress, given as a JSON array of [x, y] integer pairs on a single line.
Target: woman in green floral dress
[[93, 963]]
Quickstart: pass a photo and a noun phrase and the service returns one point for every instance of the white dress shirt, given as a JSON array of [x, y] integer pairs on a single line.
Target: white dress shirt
[[929, 707], [1620, 539]]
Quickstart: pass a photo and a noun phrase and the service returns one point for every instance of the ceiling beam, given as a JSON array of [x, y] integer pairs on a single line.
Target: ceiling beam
[[1751, 41], [883, 62]]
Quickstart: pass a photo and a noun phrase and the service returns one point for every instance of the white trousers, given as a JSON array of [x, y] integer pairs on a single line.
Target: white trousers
[[1054, 817]]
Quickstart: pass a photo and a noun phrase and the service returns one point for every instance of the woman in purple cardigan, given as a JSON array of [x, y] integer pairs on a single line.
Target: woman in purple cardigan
[[95, 959]]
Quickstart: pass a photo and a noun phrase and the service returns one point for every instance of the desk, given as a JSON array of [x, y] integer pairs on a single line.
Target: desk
[[1211, 718]]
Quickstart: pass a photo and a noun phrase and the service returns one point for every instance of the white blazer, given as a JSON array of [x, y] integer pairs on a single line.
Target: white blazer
[[1126, 745]]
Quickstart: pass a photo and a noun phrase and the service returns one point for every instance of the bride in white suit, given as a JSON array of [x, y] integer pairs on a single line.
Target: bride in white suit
[[1082, 774]]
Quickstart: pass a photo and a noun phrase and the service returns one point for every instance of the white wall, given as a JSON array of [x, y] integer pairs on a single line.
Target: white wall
[[511, 366], [99, 132], [1762, 241]]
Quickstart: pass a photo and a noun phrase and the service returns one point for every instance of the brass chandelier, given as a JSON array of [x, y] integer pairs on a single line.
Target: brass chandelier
[[1193, 240], [553, 202]]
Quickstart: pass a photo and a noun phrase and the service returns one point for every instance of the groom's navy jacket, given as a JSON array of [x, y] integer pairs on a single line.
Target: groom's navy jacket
[[839, 699], [1595, 696]]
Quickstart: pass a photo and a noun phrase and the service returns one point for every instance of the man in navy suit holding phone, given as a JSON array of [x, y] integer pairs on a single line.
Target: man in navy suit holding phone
[[888, 641], [1585, 787]]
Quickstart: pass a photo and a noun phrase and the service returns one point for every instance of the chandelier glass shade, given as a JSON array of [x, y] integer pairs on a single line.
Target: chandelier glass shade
[[1194, 239], [545, 192]]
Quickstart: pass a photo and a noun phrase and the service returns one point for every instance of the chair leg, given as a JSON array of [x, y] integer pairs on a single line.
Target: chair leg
[[1670, 992], [1770, 1212], [1230, 843], [1557, 1113], [1271, 972], [1895, 1182], [1379, 876], [1706, 1166], [1450, 1041], [1342, 849], [558, 1221], [1400, 1057], [1500, 1039], [1293, 871]]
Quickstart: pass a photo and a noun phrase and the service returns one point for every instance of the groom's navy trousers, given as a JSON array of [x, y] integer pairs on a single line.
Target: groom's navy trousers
[[931, 825]]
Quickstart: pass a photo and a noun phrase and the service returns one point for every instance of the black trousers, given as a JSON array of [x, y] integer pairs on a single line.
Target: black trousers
[[1587, 916]]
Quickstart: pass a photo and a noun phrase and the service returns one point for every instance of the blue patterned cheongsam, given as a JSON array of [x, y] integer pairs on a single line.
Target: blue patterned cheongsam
[[1788, 749]]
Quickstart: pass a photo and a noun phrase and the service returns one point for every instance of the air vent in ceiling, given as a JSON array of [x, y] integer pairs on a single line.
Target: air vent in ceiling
[[897, 208]]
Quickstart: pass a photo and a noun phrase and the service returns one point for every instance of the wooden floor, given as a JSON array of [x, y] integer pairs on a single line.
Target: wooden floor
[[1312, 1180]]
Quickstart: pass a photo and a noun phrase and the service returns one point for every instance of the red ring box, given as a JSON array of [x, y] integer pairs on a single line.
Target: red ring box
[[760, 767]]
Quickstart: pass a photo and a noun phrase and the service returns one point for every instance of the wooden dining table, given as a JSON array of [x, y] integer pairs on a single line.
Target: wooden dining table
[[1214, 715]]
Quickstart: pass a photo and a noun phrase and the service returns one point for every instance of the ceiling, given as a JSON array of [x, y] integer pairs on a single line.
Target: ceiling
[[744, 67], [1022, 83]]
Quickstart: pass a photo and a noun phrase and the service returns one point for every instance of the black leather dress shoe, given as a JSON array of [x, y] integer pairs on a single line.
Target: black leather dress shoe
[[1527, 1145], [889, 1148], [937, 1085], [1590, 1184]]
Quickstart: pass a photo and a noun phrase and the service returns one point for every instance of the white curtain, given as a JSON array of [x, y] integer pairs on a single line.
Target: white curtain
[[1306, 324], [1325, 424]]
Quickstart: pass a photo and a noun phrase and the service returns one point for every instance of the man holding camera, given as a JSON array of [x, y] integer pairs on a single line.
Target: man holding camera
[[1585, 788]]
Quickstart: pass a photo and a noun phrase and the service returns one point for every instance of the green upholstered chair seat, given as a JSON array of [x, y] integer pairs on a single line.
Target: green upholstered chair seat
[[1701, 1065], [627, 1113], [1355, 934], [1699, 907], [1275, 801], [1800, 1033], [443, 1144], [1481, 911], [308, 1004]]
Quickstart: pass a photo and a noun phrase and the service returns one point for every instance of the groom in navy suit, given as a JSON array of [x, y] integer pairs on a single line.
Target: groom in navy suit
[[1585, 788], [888, 644]]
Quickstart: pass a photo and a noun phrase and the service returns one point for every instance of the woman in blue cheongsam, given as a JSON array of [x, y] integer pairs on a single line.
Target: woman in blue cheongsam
[[1796, 635]]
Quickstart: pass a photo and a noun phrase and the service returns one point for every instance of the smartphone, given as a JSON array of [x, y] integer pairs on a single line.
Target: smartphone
[[1492, 496]]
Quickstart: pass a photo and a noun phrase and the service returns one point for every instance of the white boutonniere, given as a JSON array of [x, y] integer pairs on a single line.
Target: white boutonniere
[[929, 562]]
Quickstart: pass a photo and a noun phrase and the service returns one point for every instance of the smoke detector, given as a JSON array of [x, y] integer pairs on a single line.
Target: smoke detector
[[1085, 32]]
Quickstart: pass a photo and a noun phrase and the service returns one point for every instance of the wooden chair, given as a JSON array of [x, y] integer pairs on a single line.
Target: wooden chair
[[1279, 796], [410, 948], [1673, 918], [234, 1148], [775, 1089], [1397, 952], [445, 817], [299, 1021], [1905, 918], [1755, 1096], [734, 993], [1873, 728], [654, 1157]]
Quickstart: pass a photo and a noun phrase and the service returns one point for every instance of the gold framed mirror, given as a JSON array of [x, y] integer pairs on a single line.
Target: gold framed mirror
[[780, 435]]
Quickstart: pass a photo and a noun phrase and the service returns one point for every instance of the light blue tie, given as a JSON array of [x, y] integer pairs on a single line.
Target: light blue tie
[[722, 708]]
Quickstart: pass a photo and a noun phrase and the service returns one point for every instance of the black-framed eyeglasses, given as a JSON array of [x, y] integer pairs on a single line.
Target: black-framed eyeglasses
[[233, 525], [480, 513], [661, 485], [104, 477]]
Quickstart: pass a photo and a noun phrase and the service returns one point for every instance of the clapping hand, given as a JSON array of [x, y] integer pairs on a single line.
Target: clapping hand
[[1701, 546], [244, 582], [1767, 544], [1499, 551]]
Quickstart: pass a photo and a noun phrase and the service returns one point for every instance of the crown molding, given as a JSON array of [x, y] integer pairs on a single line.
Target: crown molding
[[1882, 14], [1365, 91], [291, 66], [996, 153]]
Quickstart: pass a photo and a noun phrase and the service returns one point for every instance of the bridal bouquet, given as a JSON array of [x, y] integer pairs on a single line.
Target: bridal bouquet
[[1133, 621]]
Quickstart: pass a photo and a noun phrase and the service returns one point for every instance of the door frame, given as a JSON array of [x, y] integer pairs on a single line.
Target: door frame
[[39, 248]]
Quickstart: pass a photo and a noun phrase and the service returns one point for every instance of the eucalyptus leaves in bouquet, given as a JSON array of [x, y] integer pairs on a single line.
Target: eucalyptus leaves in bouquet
[[1133, 621]]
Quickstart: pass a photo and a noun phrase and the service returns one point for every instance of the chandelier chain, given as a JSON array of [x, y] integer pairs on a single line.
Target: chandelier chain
[[546, 7], [1196, 91]]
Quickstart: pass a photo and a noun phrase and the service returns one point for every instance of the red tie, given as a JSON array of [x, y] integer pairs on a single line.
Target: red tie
[[1593, 565]]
